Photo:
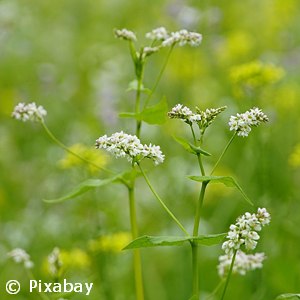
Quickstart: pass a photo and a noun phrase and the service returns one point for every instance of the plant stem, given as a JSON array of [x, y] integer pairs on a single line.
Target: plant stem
[[223, 153], [159, 76], [59, 143], [199, 157], [195, 270], [229, 274], [161, 201], [215, 290], [199, 208], [139, 287]]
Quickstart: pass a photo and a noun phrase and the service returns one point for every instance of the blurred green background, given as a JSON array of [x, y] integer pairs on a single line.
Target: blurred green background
[[63, 55]]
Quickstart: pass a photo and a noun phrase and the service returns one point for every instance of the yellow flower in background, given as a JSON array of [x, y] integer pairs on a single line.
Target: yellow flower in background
[[250, 77], [75, 258], [294, 159], [97, 157], [110, 243]]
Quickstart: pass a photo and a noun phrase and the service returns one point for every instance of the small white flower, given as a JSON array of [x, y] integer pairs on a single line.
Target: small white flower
[[159, 34], [183, 37], [147, 51], [242, 123], [244, 231], [125, 34], [121, 144], [29, 112], [242, 264], [54, 262], [181, 112], [21, 256]]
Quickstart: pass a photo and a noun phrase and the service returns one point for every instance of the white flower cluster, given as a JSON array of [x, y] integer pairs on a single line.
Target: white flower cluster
[[54, 262], [242, 123], [202, 118], [29, 112], [159, 34], [21, 256], [183, 37], [242, 264], [121, 144], [125, 34], [244, 231]]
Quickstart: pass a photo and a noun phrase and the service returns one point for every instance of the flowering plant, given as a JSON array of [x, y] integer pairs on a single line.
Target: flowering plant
[[243, 235]]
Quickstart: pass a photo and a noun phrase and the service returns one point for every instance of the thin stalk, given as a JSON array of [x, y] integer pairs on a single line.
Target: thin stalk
[[59, 143], [199, 157], [229, 274], [138, 101], [162, 202], [137, 264], [223, 153], [199, 208], [195, 269], [215, 290], [159, 76]]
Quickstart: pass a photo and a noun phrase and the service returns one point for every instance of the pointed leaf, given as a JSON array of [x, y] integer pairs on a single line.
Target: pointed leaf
[[198, 150], [288, 296], [185, 144], [133, 86], [155, 114], [210, 240], [130, 115], [157, 241], [226, 180], [84, 187]]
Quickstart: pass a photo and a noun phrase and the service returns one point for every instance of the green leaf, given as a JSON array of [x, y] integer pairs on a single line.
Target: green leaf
[[130, 115], [289, 296], [157, 241], [184, 144], [226, 180], [210, 240], [194, 298], [190, 147], [84, 187], [155, 114], [133, 86], [198, 150]]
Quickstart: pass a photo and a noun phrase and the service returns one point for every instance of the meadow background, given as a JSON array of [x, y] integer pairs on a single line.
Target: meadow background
[[63, 55]]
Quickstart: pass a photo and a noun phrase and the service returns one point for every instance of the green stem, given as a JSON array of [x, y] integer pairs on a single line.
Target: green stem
[[161, 201], [199, 208], [137, 264], [223, 153], [229, 274], [159, 76], [214, 292], [59, 143], [138, 101], [195, 270], [199, 157]]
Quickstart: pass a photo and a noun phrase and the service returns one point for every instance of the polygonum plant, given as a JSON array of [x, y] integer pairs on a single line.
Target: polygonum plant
[[243, 235]]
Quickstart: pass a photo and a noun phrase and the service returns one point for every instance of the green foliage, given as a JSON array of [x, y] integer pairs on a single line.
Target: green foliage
[[226, 180], [288, 296], [157, 241], [190, 147]]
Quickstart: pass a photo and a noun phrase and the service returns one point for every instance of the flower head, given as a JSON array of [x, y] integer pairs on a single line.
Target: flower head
[[55, 262], [242, 123], [244, 231], [183, 37], [202, 118], [125, 34], [121, 144], [242, 264], [29, 112], [21, 256], [159, 34]]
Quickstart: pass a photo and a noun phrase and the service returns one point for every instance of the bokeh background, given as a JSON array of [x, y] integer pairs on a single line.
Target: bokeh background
[[63, 55]]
